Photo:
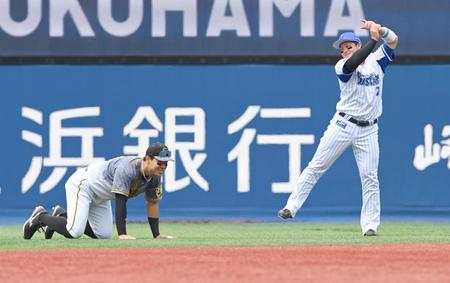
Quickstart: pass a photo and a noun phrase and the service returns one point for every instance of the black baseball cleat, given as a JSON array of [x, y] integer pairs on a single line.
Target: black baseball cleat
[[370, 232], [32, 224], [56, 211], [285, 214]]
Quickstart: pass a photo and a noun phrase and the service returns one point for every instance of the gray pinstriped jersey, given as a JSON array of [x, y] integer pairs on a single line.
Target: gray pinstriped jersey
[[118, 175]]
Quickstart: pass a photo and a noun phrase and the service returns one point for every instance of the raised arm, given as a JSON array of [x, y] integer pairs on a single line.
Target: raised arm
[[389, 37], [359, 56], [384, 33]]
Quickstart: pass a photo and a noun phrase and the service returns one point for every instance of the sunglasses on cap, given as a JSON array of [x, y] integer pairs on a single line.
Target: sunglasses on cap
[[164, 155]]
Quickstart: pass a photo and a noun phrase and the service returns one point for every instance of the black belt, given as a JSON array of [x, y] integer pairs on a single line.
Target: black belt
[[358, 122]]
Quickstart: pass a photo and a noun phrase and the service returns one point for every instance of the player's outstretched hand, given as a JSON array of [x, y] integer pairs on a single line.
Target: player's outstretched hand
[[126, 237], [374, 29], [367, 24], [164, 237]]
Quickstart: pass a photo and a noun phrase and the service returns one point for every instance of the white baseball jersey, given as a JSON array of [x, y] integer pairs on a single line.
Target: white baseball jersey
[[361, 99], [361, 91]]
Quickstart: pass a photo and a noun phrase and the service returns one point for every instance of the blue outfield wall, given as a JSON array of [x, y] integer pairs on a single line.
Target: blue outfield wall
[[213, 27], [240, 133]]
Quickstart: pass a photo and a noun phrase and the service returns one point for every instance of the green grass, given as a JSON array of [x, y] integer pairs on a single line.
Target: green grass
[[238, 234]]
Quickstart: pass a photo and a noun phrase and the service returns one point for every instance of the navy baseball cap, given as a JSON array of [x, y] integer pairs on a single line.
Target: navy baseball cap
[[347, 36], [159, 151]]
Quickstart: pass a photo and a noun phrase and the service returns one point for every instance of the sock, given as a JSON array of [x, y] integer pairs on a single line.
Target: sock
[[56, 223], [88, 231]]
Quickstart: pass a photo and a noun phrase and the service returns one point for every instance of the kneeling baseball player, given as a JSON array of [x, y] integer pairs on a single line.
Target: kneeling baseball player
[[89, 192]]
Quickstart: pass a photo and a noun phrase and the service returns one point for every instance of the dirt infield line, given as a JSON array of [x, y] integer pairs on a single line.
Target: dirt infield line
[[339, 263]]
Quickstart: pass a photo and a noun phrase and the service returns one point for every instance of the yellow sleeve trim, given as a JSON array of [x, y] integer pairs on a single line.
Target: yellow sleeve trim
[[119, 191]]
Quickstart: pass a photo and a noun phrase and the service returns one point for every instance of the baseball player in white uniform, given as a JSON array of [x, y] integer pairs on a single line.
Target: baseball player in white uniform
[[89, 192], [360, 74]]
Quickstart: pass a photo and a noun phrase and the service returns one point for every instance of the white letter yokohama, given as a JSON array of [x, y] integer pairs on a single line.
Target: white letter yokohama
[[219, 21], [287, 8], [120, 29], [161, 7], [59, 9], [338, 21], [24, 27]]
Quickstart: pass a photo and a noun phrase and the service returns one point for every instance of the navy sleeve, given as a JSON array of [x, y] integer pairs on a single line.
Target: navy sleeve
[[121, 214], [358, 57]]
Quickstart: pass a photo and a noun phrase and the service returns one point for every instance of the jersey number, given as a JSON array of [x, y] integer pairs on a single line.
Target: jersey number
[[378, 90]]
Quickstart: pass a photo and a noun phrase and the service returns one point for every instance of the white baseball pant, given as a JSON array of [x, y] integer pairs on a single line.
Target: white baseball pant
[[339, 135], [81, 207]]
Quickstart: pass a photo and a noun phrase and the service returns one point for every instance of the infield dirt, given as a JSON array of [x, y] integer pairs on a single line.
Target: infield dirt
[[337, 263]]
